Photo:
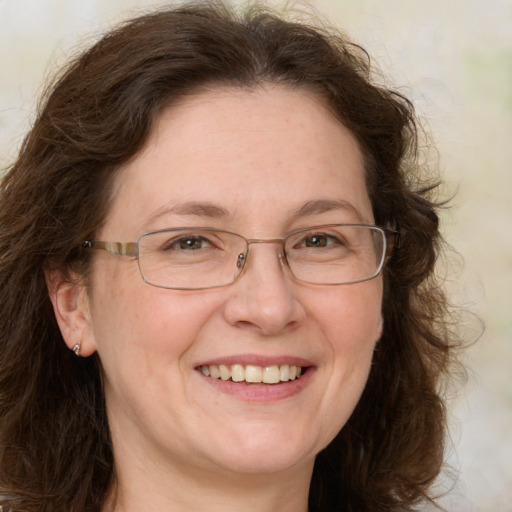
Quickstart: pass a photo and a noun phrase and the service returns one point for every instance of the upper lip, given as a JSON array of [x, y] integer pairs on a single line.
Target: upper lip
[[257, 360]]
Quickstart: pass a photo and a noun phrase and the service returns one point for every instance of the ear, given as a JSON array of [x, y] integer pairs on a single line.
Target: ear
[[70, 302]]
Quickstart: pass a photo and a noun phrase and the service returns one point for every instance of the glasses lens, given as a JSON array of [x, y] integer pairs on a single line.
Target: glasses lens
[[191, 258], [188, 259], [337, 254]]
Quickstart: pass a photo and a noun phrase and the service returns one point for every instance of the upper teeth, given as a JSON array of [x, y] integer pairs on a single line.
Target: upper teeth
[[252, 373]]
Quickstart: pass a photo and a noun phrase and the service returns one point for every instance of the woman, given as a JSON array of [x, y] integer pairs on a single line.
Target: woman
[[217, 264]]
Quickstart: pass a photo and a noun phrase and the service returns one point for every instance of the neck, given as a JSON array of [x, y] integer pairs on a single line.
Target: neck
[[196, 489]]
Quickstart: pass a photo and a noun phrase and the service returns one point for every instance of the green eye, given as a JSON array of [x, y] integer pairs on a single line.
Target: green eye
[[191, 243], [187, 243], [320, 240], [316, 241]]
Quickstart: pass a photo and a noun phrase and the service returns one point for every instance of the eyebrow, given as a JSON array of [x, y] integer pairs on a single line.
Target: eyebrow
[[326, 205], [213, 211], [196, 208]]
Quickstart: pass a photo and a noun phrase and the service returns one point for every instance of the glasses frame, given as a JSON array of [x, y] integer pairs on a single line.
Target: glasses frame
[[391, 243]]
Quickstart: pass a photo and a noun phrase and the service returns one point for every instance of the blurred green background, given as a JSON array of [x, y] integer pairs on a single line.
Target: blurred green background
[[454, 59]]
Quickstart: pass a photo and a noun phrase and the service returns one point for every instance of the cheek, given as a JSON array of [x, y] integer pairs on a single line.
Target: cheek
[[144, 336], [351, 321], [138, 322], [351, 315]]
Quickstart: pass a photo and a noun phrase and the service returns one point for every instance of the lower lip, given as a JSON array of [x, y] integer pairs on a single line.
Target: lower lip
[[261, 392]]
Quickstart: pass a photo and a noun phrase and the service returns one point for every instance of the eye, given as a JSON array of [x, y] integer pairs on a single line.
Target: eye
[[188, 243], [319, 240]]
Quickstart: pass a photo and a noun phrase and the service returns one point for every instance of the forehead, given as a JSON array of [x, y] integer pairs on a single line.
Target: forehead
[[244, 149]]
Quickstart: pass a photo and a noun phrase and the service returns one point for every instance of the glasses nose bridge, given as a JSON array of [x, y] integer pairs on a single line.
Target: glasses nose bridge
[[280, 241], [242, 259]]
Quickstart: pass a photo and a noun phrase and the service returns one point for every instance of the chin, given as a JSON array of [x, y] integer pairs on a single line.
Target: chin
[[265, 453], [266, 464]]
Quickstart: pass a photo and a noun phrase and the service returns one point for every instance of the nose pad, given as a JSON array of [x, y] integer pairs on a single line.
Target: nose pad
[[283, 259], [240, 261]]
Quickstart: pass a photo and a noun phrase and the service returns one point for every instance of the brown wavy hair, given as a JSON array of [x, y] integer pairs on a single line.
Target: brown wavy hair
[[55, 449]]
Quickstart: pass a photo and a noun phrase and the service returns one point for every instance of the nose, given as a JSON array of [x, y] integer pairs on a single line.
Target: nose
[[264, 298]]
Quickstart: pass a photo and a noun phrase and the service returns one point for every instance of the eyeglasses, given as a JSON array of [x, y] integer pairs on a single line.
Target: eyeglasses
[[197, 258]]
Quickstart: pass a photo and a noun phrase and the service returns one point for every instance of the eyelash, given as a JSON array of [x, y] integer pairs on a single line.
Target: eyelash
[[176, 242], [329, 238]]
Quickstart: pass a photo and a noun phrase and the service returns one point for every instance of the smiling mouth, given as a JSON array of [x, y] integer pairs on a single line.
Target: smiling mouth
[[253, 374]]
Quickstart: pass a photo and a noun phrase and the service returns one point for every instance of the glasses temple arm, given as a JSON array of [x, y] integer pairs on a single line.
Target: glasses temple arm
[[117, 248], [392, 243]]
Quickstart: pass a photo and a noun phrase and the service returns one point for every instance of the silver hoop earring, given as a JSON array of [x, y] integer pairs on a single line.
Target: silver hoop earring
[[76, 349]]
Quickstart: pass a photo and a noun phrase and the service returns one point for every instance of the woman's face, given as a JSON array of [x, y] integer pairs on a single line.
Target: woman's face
[[260, 163]]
